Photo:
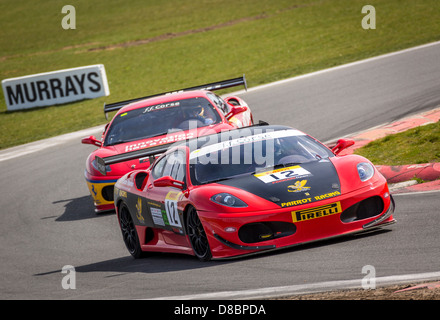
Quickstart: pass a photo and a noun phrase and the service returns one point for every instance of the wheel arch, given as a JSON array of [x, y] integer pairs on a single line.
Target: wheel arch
[[184, 215], [118, 204]]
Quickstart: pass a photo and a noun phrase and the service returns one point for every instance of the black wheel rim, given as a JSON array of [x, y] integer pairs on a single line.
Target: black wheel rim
[[128, 230], [197, 235]]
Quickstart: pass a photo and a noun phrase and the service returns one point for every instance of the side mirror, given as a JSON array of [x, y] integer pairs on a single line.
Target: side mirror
[[167, 181], [235, 110], [92, 140], [341, 145]]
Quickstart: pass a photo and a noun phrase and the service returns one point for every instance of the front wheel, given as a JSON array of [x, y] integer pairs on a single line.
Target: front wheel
[[129, 234], [197, 236]]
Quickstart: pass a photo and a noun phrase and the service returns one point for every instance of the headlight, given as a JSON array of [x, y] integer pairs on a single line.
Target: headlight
[[365, 171], [226, 199]]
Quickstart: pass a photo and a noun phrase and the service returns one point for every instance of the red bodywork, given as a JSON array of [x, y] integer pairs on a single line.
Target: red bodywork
[[223, 225]]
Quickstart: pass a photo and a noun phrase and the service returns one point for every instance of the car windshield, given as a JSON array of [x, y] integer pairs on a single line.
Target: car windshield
[[252, 154], [160, 119]]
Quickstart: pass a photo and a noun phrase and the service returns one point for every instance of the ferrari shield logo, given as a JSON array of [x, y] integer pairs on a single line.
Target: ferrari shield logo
[[139, 210], [298, 186]]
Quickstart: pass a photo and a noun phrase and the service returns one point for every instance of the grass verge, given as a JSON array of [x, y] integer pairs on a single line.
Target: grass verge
[[156, 46], [414, 146]]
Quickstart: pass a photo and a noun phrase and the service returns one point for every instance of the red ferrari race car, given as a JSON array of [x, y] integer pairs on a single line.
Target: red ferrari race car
[[248, 191], [156, 122]]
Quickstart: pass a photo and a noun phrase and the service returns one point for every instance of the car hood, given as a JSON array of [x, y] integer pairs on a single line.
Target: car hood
[[292, 185]]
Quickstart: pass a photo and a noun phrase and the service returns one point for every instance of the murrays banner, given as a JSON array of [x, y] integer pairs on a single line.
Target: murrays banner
[[57, 87]]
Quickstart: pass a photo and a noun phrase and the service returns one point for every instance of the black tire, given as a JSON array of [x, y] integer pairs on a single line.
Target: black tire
[[197, 235], [129, 234]]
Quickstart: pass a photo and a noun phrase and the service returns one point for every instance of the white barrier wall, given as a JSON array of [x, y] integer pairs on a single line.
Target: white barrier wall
[[57, 87]]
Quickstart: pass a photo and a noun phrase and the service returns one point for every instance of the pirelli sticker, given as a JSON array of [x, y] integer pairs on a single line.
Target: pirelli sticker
[[316, 212]]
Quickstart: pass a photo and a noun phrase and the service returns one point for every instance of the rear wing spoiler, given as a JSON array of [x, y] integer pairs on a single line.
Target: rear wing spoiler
[[150, 153], [209, 86]]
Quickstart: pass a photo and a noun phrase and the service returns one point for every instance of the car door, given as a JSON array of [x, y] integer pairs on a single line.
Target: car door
[[162, 201]]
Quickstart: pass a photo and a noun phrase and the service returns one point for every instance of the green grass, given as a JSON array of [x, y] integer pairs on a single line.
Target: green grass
[[418, 145], [193, 42]]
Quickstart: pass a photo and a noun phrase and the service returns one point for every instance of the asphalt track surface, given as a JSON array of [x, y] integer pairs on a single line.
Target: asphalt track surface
[[48, 222]]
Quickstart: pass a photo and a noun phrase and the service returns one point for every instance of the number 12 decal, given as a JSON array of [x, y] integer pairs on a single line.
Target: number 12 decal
[[171, 209], [294, 172]]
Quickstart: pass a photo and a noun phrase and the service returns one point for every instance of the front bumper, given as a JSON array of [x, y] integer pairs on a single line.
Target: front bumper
[[101, 190], [354, 212]]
